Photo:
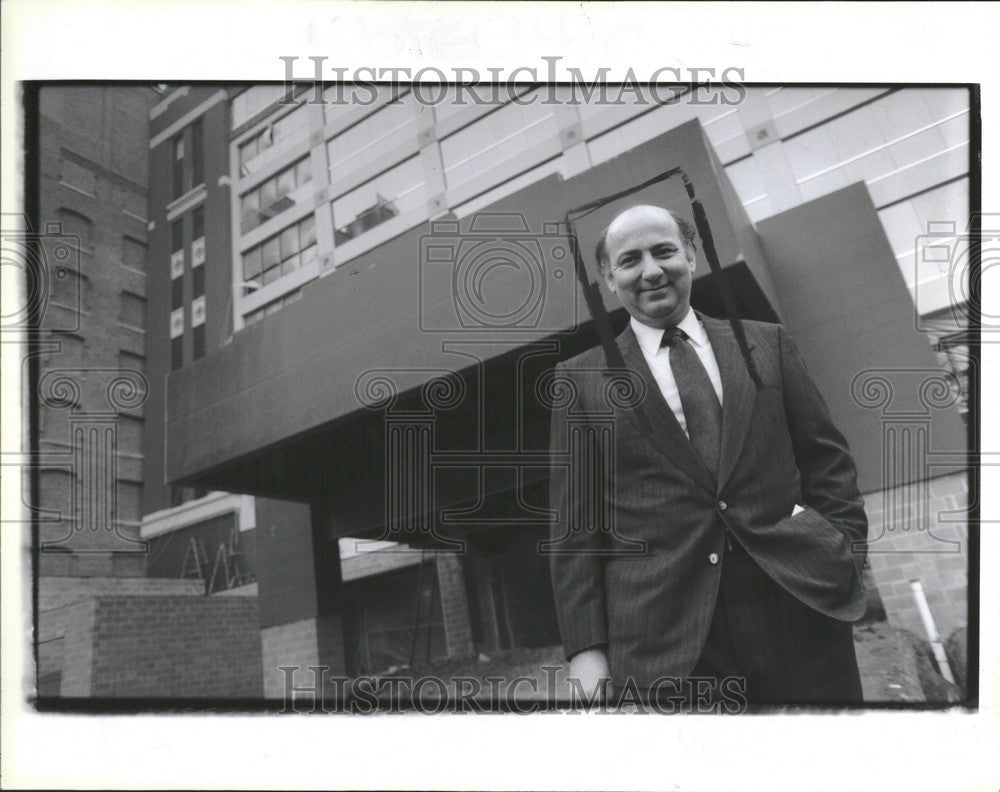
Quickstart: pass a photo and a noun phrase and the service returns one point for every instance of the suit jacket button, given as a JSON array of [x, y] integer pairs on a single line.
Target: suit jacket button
[[713, 558], [722, 505]]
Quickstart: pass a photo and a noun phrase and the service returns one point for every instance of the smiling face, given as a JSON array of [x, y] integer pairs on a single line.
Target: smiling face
[[649, 266]]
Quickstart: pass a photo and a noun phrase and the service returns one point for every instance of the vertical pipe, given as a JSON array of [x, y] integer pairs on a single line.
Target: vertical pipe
[[929, 627]]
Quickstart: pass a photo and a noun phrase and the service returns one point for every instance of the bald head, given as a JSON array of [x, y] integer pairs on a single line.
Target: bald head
[[647, 259], [641, 213]]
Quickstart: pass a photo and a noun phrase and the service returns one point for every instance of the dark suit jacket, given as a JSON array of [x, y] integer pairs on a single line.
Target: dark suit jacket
[[630, 550]]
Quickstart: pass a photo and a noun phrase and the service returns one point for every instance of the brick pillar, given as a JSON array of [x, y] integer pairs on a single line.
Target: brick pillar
[[298, 575], [454, 606]]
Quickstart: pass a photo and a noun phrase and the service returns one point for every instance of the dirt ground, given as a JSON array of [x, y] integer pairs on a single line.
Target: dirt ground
[[889, 664]]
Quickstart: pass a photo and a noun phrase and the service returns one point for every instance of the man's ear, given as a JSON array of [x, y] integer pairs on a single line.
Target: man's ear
[[606, 274], [692, 259]]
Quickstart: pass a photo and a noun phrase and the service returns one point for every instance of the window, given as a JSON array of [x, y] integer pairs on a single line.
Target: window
[[177, 253], [176, 293], [132, 310], [341, 99], [178, 169], [176, 338], [197, 153], [176, 353], [198, 223], [247, 104], [371, 138], [397, 191], [501, 137], [283, 253], [134, 253], [197, 282], [198, 314], [279, 193], [272, 307], [176, 236], [79, 176], [77, 225], [273, 140], [197, 238]]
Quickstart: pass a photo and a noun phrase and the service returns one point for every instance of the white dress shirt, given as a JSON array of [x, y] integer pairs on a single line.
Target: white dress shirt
[[658, 358]]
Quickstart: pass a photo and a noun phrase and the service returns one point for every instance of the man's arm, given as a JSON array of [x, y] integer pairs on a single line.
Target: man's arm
[[575, 559], [827, 470]]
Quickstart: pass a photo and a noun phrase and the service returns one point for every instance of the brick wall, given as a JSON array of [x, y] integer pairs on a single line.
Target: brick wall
[[93, 148], [63, 601], [912, 536], [77, 649], [162, 646]]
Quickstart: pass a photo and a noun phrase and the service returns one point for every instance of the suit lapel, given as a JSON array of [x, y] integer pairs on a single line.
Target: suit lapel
[[738, 393], [666, 433]]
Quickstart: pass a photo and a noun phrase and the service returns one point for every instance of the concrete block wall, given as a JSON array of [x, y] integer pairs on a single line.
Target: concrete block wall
[[163, 647], [301, 644], [56, 592], [934, 550]]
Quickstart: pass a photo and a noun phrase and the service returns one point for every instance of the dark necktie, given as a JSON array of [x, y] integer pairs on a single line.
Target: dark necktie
[[702, 410]]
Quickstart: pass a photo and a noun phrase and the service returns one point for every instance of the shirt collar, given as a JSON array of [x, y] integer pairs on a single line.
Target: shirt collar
[[649, 338]]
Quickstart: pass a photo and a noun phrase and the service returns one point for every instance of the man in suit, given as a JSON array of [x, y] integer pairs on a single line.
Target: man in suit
[[741, 496]]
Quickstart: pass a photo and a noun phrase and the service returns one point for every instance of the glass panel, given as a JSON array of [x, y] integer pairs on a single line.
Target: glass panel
[[268, 193], [290, 264], [286, 182], [303, 172], [289, 242], [198, 223], [248, 151], [271, 275], [340, 98], [197, 282], [395, 192], [271, 254], [293, 127], [247, 104], [309, 255], [176, 293], [496, 139], [249, 206], [383, 128], [197, 152], [251, 263], [307, 231]]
